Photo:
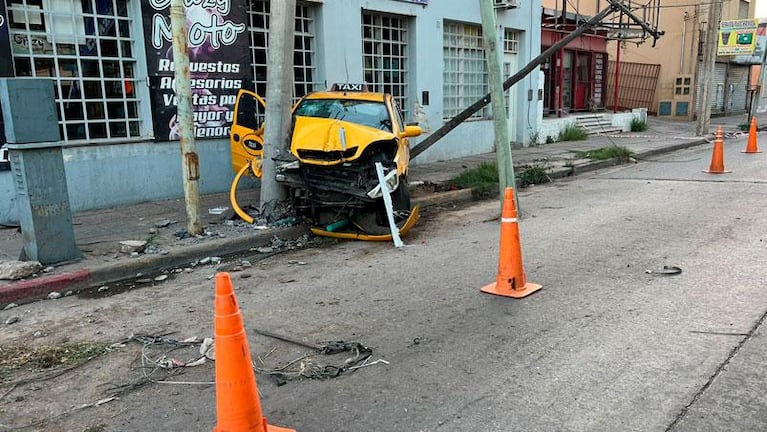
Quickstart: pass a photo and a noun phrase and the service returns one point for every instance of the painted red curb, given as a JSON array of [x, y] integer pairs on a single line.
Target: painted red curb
[[40, 287]]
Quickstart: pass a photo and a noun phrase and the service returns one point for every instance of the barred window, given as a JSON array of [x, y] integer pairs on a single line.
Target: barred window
[[304, 68], [385, 55], [510, 41], [86, 47], [465, 69]]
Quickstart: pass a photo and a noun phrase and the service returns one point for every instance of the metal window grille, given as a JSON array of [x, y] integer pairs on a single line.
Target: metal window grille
[[304, 68], [465, 69], [86, 48], [385, 56], [510, 41]]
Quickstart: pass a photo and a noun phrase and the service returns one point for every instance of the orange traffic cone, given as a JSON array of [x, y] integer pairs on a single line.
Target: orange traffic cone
[[238, 407], [511, 281], [751, 146], [717, 158]]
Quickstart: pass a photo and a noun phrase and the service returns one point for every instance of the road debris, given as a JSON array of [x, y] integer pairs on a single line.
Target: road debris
[[15, 270], [132, 246], [667, 271], [308, 367]]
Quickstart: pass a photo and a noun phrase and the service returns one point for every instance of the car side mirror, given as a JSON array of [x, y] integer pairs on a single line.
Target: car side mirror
[[411, 131]]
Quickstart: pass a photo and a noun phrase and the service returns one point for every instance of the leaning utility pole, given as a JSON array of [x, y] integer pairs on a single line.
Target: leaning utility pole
[[279, 94], [189, 159], [506, 176], [614, 5], [709, 60]]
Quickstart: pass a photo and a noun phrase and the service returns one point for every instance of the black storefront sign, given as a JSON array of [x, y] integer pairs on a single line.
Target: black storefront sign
[[6, 65], [219, 64]]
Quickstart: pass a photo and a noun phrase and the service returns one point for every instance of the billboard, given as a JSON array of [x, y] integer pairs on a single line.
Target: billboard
[[737, 37], [219, 64]]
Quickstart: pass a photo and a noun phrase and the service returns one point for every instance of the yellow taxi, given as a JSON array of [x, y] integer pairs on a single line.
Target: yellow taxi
[[337, 138]]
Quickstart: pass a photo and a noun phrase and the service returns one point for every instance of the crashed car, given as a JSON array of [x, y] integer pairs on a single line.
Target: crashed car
[[337, 138]]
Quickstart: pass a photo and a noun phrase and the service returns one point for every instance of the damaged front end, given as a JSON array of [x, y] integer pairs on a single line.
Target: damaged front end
[[337, 139], [345, 194]]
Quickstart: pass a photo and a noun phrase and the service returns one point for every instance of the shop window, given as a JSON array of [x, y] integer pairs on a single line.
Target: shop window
[[77, 44], [465, 70], [304, 68], [385, 55]]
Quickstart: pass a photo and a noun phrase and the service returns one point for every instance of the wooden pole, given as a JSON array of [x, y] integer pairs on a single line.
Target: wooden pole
[[184, 116]]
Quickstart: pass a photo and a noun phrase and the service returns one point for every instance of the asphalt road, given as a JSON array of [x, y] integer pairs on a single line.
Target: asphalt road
[[605, 346]]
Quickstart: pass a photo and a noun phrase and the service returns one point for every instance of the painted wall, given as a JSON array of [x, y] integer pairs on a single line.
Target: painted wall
[[114, 174], [341, 20]]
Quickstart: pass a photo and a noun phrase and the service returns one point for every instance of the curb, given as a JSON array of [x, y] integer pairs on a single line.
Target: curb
[[25, 291]]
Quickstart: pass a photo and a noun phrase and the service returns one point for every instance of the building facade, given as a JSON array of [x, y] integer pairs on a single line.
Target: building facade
[[679, 55], [110, 63]]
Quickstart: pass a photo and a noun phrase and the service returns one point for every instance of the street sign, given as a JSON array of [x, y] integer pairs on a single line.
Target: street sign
[[737, 37]]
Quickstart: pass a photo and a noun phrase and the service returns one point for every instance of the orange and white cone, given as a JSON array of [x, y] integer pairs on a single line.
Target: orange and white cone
[[511, 280], [717, 157], [751, 146], [238, 407]]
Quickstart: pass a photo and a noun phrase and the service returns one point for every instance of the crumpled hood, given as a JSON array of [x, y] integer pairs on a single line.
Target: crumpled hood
[[321, 134]]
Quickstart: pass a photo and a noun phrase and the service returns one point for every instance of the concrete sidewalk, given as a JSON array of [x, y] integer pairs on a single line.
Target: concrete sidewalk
[[99, 232]]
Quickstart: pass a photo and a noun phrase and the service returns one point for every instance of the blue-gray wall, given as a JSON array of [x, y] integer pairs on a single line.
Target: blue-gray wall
[[114, 174]]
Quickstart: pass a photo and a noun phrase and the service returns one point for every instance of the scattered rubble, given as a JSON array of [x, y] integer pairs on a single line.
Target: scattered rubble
[[12, 320], [15, 270], [54, 295], [132, 246]]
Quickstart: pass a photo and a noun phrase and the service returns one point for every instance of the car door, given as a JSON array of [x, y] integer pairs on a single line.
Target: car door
[[246, 138]]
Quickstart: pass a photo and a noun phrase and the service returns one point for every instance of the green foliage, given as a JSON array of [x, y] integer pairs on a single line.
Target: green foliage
[[613, 152], [534, 138], [744, 127], [550, 139], [485, 174], [533, 175], [573, 133], [638, 125], [35, 359]]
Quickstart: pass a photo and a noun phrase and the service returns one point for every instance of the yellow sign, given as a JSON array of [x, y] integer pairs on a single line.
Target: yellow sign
[[737, 37]]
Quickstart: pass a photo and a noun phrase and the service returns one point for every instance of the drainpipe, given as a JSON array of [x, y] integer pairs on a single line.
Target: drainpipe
[[681, 50], [617, 75]]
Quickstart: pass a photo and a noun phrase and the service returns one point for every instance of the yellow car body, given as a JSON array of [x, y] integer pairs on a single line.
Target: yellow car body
[[336, 139]]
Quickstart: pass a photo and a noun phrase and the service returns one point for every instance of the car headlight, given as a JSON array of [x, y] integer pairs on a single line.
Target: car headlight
[[392, 181]]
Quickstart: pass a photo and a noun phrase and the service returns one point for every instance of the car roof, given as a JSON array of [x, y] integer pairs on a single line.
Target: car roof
[[366, 96]]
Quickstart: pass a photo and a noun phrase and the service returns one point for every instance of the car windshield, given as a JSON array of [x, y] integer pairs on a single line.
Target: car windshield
[[368, 113]]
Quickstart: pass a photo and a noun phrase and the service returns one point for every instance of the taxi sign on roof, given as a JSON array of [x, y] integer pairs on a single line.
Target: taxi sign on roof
[[349, 87]]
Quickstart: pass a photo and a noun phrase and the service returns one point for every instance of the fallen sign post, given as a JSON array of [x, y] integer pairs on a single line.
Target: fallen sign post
[[388, 205], [615, 5]]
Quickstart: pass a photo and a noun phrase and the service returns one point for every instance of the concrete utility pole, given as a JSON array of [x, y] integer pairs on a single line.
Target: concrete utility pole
[[759, 85], [189, 159], [495, 79], [709, 59], [279, 85]]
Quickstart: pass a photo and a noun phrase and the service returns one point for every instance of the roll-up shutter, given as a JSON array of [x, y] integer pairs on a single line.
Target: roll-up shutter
[[717, 89], [737, 85]]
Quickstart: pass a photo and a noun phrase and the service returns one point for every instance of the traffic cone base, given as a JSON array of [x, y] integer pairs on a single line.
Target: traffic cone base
[[510, 280], [270, 428], [717, 156], [751, 146], [525, 291]]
